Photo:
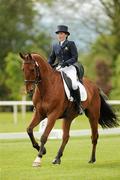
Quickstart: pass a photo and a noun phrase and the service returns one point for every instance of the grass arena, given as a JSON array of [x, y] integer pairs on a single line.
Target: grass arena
[[17, 155]]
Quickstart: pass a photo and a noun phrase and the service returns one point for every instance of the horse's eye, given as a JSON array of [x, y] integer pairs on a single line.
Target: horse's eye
[[22, 69]]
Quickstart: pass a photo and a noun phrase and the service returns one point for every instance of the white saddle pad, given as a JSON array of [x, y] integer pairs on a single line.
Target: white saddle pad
[[83, 93]]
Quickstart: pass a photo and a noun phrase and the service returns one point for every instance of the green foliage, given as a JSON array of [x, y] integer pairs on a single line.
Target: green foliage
[[104, 45], [16, 22], [14, 76], [107, 46], [103, 72], [88, 62], [40, 43], [105, 49], [116, 80], [101, 50], [17, 34]]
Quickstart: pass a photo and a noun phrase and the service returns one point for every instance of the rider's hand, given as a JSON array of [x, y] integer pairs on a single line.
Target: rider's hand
[[64, 64]]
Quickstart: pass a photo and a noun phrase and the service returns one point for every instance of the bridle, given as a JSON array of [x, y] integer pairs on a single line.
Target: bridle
[[37, 79]]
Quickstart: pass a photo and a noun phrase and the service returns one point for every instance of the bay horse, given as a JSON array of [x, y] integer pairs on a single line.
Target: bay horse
[[49, 100]]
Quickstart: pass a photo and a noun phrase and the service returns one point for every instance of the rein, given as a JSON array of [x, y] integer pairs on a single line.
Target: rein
[[37, 79]]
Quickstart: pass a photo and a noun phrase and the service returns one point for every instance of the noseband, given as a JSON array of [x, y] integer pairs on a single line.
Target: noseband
[[37, 79]]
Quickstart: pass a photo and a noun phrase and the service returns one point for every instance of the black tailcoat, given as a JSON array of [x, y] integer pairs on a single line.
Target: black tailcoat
[[65, 53]]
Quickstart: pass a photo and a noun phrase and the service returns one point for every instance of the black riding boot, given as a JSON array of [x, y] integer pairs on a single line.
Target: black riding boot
[[77, 99]]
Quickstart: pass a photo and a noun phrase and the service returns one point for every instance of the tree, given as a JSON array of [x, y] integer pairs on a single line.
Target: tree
[[14, 76], [104, 73], [40, 43], [18, 33], [16, 22], [116, 80], [112, 11], [107, 44], [16, 27]]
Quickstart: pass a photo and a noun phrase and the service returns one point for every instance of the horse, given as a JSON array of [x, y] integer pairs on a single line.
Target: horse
[[49, 100]]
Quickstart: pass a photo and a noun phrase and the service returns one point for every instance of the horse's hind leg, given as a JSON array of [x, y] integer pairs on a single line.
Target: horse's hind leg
[[93, 116], [65, 138], [94, 138]]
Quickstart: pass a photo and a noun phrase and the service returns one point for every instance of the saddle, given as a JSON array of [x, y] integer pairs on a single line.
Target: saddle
[[80, 73], [68, 87], [68, 83], [80, 70]]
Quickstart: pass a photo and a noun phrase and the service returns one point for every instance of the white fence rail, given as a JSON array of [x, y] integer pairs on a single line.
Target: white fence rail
[[15, 105], [56, 133], [23, 105]]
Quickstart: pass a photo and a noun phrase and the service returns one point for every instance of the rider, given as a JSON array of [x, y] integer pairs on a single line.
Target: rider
[[66, 54]]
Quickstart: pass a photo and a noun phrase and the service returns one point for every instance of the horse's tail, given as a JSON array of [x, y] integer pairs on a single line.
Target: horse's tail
[[108, 118]]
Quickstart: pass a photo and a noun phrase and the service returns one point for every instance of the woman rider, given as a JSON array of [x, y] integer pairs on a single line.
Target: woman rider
[[66, 54]]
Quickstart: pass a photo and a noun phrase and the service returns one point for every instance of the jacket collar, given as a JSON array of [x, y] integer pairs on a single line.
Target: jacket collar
[[64, 43]]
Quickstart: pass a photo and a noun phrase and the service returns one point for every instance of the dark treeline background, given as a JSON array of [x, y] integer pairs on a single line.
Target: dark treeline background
[[29, 25]]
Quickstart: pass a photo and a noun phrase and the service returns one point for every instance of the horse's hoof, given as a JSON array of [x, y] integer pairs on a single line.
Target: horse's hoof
[[92, 161], [56, 161], [37, 162]]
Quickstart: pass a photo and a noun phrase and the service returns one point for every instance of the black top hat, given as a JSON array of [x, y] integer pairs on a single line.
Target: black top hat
[[62, 28]]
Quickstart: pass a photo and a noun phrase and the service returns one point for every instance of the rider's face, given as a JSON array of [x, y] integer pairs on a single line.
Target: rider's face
[[61, 36]]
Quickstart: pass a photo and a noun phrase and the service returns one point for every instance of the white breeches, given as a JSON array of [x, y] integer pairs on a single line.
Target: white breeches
[[72, 74]]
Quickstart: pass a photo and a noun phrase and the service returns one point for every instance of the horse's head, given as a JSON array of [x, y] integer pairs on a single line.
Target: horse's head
[[31, 72]]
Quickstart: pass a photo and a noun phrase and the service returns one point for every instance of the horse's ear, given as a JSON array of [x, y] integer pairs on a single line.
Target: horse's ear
[[30, 56], [22, 56]]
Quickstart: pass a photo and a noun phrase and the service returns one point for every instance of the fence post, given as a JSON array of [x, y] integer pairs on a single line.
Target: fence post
[[23, 108], [15, 113]]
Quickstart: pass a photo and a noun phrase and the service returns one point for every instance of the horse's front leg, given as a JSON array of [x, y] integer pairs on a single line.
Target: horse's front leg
[[35, 121], [43, 140], [66, 129]]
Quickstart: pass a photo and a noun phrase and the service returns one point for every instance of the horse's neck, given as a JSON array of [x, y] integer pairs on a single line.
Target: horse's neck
[[46, 74], [49, 77], [44, 67]]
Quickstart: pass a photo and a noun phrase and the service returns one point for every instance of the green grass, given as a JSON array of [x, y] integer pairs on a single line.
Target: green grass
[[16, 157], [7, 123]]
